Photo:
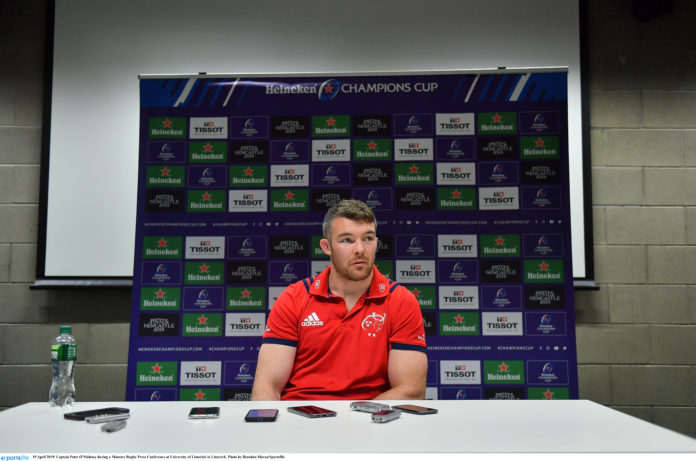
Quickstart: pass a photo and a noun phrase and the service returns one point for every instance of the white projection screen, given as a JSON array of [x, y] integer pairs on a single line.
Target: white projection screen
[[101, 46]]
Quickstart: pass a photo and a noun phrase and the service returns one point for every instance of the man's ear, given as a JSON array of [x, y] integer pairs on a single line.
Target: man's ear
[[325, 247]]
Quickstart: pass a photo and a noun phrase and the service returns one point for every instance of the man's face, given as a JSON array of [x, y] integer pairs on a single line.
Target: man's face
[[352, 246]]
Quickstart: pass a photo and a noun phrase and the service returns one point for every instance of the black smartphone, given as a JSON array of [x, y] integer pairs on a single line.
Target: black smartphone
[[310, 411], [81, 415], [204, 413], [415, 409], [261, 416]]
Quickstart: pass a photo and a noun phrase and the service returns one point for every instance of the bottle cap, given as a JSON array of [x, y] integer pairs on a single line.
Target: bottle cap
[[66, 329]]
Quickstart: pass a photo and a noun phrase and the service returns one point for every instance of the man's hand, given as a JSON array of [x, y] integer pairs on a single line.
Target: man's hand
[[272, 371]]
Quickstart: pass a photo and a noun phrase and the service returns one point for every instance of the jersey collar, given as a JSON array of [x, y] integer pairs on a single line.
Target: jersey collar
[[379, 287]]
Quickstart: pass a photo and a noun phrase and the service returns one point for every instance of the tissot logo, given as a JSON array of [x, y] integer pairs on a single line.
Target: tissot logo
[[205, 247], [415, 271], [331, 150], [250, 200], [460, 372], [454, 124], [289, 175], [458, 297], [413, 149], [200, 373], [501, 324], [208, 128], [456, 246], [244, 324], [499, 198], [456, 174]]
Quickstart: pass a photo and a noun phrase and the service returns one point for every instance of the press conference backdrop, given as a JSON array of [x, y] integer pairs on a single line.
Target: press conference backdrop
[[102, 46]]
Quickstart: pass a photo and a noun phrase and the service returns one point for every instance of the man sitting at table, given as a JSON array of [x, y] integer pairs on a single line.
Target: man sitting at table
[[349, 333]]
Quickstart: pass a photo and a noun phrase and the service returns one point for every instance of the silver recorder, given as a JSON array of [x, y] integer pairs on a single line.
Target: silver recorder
[[368, 407], [384, 416]]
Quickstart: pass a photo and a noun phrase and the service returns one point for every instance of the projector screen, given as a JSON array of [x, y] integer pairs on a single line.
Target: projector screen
[[101, 46]]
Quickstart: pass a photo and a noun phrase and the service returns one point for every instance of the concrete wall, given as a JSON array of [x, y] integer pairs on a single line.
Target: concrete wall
[[636, 335]]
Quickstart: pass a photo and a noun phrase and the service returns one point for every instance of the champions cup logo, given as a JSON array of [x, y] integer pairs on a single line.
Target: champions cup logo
[[331, 171], [547, 368], [415, 242], [413, 120], [166, 148], [249, 124], [541, 194], [289, 268], [498, 169], [329, 89], [289, 148], [539, 118], [373, 324], [545, 319], [461, 394], [456, 146], [373, 195], [248, 243], [203, 295], [458, 268], [501, 293], [161, 269], [543, 241]]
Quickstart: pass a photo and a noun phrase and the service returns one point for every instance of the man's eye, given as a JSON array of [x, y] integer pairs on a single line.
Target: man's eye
[[347, 240]]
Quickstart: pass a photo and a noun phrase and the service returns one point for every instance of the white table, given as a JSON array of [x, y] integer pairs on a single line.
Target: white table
[[459, 426]]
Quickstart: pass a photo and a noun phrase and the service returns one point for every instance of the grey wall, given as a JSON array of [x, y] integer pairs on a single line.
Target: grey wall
[[636, 335]]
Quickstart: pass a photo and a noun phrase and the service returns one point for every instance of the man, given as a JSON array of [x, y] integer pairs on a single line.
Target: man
[[349, 333]]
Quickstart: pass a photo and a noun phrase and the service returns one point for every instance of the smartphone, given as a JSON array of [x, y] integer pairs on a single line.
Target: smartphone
[[368, 407], [81, 415], [204, 413], [384, 416], [310, 411], [415, 409], [98, 419], [261, 416]]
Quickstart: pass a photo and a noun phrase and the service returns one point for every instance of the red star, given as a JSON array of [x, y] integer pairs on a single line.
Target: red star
[[248, 171], [548, 395], [456, 193], [499, 241], [156, 368], [204, 268], [162, 243], [160, 294], [165, 171], [372, 145], [459, 319], [539, 142], [206, 196], [289, 195], [543, 266], [200, 395], [246, 293], [328, 89], [414, 169], [416, 292], [208, 147], [167, 123], [503, 367], [331, 121], [497, 118], [202, 320]]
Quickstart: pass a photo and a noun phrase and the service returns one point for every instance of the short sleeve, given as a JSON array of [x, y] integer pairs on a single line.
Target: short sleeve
[[281, 327], [407, 330]]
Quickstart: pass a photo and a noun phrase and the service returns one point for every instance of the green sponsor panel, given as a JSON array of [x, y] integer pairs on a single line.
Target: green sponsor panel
[[249, 176], [539, 147], [456, 198], [499, 245], [386, 267], [204, 273], [425, 294], [459, 324], [167, 128], [414, 173], [163, 247], [160, 299], [156, 374], [331, 126], [202, 324], [543, 270], [289, 200], [64, 352], [317, 252], [372, 149], [207, 152], [497, 123], [200, 394], [166, 176], [246, 298], [548, 393], [503, 371], [206, 201]]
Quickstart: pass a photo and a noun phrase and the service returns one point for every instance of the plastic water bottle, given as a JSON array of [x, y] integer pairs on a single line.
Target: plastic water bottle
[[63, 358]]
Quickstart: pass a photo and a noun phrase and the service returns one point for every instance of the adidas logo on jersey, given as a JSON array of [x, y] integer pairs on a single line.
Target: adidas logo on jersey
[[312, 320]]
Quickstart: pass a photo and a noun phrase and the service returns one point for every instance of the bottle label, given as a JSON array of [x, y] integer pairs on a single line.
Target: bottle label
[[64, 352]]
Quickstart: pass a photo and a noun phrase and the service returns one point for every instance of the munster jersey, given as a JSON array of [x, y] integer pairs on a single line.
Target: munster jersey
[[343, 355]]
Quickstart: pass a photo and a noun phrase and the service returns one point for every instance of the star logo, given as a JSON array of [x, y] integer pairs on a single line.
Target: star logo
[[204, 268], [208, 147], [372, 145], [504, 368], [497, 118], [167, 123], [459, 319], [413, 169], [543, 266], [548, 394], [539, 142], [331, 121], [202, 320], [328, 89], [200, 395], [456, 193], [248, 171], [156, 368], [159, 294], [289, 195], [206, 196], [165, 171], [416, 292], [162, 243], [246, 293], [499, 241]]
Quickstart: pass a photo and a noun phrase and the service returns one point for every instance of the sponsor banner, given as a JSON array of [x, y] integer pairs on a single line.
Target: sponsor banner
[[456, 198], [248, 127], [372, 174], [501, 297], [208, 128], [287, 272], [289, 247], [207, 152], [541, 198], [290, 127], [539, 147], [457, 271], [206, 177], [200, 373], [331, 175], [160, 373], [385, 246], [501, 271], [545, 324], [166, 151], [322, 200], [456, 246], [503, 393], [289, 175], [382, 198], [415, 199], [500, 245], [201, 324], [426, 296], [166, 176], [458, 297], [155, 395], [289, 200], [249, 151], [498, 173], [415, 246], [548, 393], [498, 148], [157, 201], [459, 323], [159, 325], [413, 124], [541, 173], [331, 126], [415, 272], [204, 273], [538, 122], [244, 324], [161, 273], [203, 298], [497, 123], [499, 198], [372, 149], [544, 297], [164, 247], [543, 270], [412, 150], [453, 149], [461, 124], [199, 394], [317, 267], [205, 247], [246, 272], [289, 151], [501, 324], [273, 293], [372, 125], [248, 201], [331, 150], [456, 174], [460, 393], [167, 128], [160, 298], [503, 372], [545, 372], [239, 373], [250, 298], [248, 176], [386, 267], [251, 247], [460, 372], [316, 250], [417, 173], [236, 394], [543, 245], [206, 201]]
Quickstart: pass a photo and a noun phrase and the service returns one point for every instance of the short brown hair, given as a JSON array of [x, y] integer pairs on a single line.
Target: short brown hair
[[355, 210]]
